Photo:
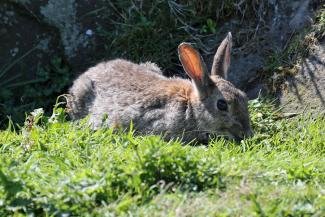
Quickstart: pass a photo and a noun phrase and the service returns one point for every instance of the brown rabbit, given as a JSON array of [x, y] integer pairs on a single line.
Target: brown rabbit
[[123, 91]]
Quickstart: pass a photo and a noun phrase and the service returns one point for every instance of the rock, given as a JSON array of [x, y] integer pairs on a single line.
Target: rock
[[245, 68], [302, 17], [256, 89], [21, 37], [305, 92], [62, 15], [250, 57]]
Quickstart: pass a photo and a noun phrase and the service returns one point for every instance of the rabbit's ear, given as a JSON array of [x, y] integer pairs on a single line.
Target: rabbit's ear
[[195, 67], [221, 61]]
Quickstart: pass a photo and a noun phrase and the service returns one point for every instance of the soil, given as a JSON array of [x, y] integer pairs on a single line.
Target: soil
[[305, 92]]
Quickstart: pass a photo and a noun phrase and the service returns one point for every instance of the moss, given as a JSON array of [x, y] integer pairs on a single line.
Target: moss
[[62, 14]]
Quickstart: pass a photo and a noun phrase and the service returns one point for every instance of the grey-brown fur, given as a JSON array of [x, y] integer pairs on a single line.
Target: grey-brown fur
[[124, 91]]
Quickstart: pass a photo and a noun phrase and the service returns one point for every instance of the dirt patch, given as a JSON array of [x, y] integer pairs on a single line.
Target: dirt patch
[[305, 92]]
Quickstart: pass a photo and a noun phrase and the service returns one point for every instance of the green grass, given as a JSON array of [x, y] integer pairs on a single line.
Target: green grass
[[52, 167]]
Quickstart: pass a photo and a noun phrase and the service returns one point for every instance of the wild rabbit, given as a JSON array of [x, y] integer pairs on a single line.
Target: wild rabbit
[[122, 91]]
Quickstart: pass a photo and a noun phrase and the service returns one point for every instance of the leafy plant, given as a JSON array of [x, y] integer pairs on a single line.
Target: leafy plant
[[51, 81], [209, 27]]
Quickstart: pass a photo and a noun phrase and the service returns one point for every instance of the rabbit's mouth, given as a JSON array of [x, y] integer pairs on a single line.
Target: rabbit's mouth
[[224, 135], [209, 136], [205, 137], [233, 137], [236, 138]]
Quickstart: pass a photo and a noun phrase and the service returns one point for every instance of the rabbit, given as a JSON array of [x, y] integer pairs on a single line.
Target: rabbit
[[118, 92]]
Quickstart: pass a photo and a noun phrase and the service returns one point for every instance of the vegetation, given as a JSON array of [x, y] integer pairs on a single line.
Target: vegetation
[[135, 30], [51, 167], [285, 63], [51, 81], [151, 30]]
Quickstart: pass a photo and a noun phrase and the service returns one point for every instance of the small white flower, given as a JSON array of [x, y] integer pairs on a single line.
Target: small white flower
[[14, 51], [89, 32], [37, 112]]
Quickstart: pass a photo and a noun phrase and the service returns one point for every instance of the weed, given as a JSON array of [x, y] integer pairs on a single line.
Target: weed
[[151, 30], [41, 92], [285, 63]]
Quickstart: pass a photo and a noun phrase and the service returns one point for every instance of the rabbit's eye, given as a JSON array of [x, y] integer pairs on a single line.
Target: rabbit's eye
[[222, 105]]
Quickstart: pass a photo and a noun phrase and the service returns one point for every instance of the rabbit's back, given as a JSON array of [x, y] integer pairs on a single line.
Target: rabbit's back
[[123, 73], [118, 92], [127, 91], [125, 83]]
